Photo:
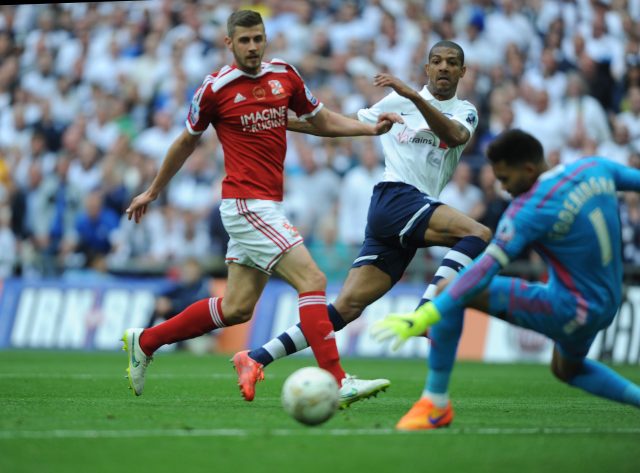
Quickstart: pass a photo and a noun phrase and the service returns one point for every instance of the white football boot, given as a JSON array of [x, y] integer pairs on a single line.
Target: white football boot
[[354, 389], [138, 361]]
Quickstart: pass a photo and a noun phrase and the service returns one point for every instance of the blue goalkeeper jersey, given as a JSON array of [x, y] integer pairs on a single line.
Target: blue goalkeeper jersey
[[570, 217]]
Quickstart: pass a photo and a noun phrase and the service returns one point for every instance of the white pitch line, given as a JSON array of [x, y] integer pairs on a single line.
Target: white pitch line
[[81, 376], [88, 434]]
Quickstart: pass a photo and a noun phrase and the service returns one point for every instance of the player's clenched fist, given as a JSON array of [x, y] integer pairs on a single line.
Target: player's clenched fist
[[386, 121]]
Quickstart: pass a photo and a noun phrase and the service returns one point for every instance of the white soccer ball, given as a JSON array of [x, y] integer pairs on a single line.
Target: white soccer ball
[[310, 395]]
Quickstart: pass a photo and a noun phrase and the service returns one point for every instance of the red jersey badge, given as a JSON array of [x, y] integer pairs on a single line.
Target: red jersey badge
[[259, 93], [276, 87]]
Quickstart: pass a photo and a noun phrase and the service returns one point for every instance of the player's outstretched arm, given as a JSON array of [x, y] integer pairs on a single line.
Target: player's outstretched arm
[[332, 124], [625, 177], [450, 131], [178, 153]]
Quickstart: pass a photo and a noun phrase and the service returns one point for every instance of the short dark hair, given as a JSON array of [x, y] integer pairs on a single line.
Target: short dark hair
[[448, 44], [515, 147], [244, 18]]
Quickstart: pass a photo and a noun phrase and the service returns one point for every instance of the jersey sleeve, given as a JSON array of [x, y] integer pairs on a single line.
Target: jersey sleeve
[[625, 178], [370, 115], [467, 115], [303, 102], [202, 109]]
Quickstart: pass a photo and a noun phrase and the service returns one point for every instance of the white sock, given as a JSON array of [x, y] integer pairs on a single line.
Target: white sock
[[440, 400]]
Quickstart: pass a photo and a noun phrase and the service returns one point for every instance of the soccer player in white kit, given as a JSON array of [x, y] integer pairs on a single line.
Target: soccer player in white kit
[[421, 155], [247, 104]]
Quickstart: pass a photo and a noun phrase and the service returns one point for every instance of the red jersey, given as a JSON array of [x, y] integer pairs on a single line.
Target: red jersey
[[249, 114]]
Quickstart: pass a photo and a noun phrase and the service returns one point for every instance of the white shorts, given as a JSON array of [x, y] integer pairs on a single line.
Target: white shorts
[[259, 232]]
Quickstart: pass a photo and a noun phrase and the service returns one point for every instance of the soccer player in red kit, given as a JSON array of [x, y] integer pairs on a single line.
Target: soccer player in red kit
[[247, 104]]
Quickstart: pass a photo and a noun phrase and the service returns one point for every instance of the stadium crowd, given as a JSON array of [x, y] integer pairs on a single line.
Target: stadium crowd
[[92, 95]]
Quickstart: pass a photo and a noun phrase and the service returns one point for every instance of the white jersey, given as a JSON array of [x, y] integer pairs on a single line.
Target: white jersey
[[413, 154]]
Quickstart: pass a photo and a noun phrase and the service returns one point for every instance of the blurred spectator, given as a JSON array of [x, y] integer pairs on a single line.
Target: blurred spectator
[[334, 256], [355, 195], [582, 112], [630, 116], [619, 149], [544, 120], [478, 50], [95, 225], [14, 129], [84, 171], [579, 145], [37, 153], [506, 24], [494, 201], [155, 141], [190, 286], [314, 192], [50, 128], [630, 225], [8, 244], [194, 188], [41, 82], [548, 77], [56, 204], [135, 244], [184, 236], [101, 130], [461, 194]]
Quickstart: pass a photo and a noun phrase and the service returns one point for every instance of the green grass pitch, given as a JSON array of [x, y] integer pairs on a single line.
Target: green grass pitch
[[72, 412]]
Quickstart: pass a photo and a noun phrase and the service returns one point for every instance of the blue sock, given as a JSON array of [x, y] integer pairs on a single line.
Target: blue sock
[[602, 381], [445, 336], [459, 256], [291, 341]]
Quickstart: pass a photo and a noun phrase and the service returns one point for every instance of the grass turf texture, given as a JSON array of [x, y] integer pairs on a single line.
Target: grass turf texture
[[68, 412]]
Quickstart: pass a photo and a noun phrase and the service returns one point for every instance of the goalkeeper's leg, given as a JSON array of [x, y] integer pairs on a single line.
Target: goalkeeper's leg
[[592, 376], [433, 409]]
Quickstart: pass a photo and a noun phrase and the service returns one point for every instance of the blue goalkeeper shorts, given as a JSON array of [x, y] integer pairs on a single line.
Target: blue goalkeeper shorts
[[547, 309]]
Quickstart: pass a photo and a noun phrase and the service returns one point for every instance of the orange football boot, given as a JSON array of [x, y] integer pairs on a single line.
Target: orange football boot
[[424, 415], [249, 373]]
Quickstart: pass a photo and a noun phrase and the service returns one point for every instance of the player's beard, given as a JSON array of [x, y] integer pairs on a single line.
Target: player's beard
[[244, 63]]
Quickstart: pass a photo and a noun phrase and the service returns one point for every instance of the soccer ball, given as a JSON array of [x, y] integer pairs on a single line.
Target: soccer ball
[[310, 395]]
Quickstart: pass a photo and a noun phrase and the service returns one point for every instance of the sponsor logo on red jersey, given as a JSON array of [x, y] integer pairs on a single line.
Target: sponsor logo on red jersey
[[264, 119]]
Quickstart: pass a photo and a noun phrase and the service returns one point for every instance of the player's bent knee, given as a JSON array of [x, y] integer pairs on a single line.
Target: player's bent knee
[[349, 310], [239, 317], [237, 314], [482, 232]]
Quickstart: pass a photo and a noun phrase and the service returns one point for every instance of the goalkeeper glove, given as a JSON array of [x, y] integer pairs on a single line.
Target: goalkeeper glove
[[400, 327]]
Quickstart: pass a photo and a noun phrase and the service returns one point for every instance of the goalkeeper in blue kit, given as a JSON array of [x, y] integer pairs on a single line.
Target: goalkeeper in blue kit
[[569, 216]]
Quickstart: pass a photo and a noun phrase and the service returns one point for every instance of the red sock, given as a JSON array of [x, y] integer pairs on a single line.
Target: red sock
[[318, 330], [199, 318]]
